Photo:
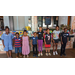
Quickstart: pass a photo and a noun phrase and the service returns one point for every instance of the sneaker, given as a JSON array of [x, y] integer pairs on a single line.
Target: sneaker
[[34, 55], [64, 54], [20, 55], [41, 54], [56, 52], [61, 55], [24, 56], [10, 57], [46, 54], [53, 53], [16, 56], [50, 54]]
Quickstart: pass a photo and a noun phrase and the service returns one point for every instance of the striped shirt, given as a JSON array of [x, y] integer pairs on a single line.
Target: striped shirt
[[18, 42]]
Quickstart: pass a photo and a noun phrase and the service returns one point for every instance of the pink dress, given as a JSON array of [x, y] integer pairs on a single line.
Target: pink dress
[[25, 45]]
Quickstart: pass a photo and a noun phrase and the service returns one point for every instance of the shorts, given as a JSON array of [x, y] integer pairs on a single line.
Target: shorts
[[47, 45], [56, 40], [18, 49]]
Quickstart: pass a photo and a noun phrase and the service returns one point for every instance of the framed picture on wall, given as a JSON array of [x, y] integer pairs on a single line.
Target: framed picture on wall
[[48, 20], [40, 21]]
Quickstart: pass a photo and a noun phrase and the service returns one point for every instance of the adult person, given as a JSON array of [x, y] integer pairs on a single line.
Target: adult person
[[7, 40]]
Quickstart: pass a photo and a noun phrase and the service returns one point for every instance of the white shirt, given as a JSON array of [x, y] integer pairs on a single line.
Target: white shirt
[[56, 34]]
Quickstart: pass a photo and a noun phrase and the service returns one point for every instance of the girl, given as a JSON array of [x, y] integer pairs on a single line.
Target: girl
[[47, 41], [55, 39], [40, 41], [25, 44], [7, 40], [64, 41]]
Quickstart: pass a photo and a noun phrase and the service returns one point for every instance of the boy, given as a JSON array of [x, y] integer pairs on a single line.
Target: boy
[[55, 39], [64, 41], [47, 41], [7, 40], [17, 41], [34, 44]]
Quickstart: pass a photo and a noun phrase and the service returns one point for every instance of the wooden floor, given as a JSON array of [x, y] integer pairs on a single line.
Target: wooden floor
[[70, 53]]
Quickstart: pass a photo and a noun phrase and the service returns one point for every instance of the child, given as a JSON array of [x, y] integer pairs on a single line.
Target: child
[[64, 41], [55, 39], [17, 41], [25, 44], [47, 41], [34, 44], [7, 40], [40, 41]]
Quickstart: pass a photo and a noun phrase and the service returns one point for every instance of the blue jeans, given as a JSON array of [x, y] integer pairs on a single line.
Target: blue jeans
[[18, 49]]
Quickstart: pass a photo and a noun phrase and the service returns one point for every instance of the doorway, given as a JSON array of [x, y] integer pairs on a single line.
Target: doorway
[[1, 23]]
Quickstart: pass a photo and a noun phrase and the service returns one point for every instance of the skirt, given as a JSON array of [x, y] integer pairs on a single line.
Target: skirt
[[47, 45]]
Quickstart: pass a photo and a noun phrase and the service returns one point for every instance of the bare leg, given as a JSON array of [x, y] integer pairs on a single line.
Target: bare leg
[[27, 56], [53, 47], [16, 55], [56, 46], [24, 56], [56, 49], [48, 50], [10, 53], [7, 53]]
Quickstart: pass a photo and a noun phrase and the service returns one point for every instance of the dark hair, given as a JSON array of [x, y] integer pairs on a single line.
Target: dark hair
[[40, 27], [17, 33], [65, 28], [57, 26], [35, 32], [25, 31], [6, 27], [47, 29]]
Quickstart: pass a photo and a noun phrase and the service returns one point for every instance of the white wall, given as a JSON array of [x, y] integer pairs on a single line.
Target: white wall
[[63, 20], [6, 21], [21, 22]]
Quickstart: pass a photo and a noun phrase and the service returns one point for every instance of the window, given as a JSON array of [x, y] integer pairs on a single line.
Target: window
[[55, 19], [21, 21]]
